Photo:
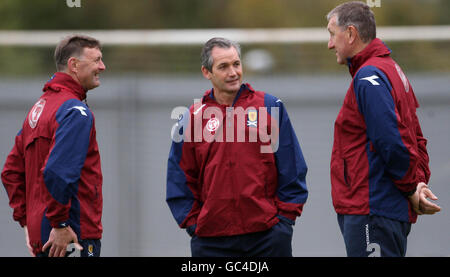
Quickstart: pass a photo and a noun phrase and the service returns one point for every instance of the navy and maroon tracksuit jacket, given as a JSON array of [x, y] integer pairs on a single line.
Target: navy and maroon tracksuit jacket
[[226, 186], [379, 152], [53, 175]]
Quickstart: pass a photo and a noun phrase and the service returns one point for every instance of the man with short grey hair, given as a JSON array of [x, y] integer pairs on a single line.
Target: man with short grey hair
[[379, 162], [206, 57], [53, 174], [234, 197]]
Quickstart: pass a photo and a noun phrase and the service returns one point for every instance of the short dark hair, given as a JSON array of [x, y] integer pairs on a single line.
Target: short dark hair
[[357, 14], [72, 46], [207, 60]]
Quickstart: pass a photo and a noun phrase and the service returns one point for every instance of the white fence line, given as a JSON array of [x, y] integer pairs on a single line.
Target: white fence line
[[200, 36]]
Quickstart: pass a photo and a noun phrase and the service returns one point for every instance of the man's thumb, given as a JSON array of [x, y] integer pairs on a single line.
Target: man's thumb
[[75, 240]]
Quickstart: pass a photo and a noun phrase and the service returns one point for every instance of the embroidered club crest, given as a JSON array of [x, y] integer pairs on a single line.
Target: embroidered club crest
[[252, 117], [402, 77], [213, 124], [35, 113], [90, 250]]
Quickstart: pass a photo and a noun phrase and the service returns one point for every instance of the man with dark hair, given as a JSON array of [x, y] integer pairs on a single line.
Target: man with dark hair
[[379, 162], [53, 175], [235, 188]]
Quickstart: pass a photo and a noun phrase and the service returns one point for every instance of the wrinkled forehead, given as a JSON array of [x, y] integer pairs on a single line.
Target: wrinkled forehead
[[93, 53], [224, 54], [332, 23]]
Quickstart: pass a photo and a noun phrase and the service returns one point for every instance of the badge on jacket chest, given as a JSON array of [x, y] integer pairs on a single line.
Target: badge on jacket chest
[[252, 118], [213, 124]]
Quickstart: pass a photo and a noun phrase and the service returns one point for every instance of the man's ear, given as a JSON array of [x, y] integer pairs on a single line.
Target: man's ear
[[206, 73], [72, 65], [352, 34]]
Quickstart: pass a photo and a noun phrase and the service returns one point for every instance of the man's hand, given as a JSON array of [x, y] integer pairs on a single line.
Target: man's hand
[[420, 203], [27, 239], [59, 239]]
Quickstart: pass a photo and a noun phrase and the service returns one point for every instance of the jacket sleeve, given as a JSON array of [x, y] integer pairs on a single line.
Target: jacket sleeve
[[182, 188], [423, 170], [291, 166], [13, 178], [62, 170], [387, 132]]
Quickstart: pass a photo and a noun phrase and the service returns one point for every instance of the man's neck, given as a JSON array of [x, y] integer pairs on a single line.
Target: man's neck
[[224, 98], [74, 76], [359, 48]]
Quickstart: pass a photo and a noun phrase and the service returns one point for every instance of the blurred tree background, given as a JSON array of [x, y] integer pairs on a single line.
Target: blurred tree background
[[203, 14]]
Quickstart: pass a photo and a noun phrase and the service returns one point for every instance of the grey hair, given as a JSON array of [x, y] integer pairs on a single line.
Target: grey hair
[[357, 14], [73, 46], [207, 60]]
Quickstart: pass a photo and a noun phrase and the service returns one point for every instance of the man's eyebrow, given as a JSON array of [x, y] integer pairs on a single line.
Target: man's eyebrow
[[222, 63]]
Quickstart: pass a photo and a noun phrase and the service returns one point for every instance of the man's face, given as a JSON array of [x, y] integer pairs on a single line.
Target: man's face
[[338, 41], [226, 75], [89, 66]]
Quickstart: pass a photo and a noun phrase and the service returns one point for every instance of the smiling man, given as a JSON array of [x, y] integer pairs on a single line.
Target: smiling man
[[53, 175], [225, 75], [379, 162], [233, 198]]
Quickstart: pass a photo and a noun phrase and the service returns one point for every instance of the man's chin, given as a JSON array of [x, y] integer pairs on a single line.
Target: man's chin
[[234, 88], [92, 86], [95, 83]]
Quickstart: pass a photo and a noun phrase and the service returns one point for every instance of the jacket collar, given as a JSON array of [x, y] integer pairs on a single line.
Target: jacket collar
[[63, 80], [376, 48], [244, 91]]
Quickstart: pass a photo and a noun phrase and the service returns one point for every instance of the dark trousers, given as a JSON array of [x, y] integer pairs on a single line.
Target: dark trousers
[[275, 242], [373, 236], [91, 248]]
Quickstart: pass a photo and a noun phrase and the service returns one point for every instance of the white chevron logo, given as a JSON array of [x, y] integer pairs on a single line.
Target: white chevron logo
[[371, 79], [80, 108], [199, 109]]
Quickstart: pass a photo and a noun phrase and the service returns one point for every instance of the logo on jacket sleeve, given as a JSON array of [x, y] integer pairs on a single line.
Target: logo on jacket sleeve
[[35, 113], [252, 118], [371, 79], [80, 108], [402, 77]]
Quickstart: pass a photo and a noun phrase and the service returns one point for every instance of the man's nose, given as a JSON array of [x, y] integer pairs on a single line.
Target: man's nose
[[330, 44], [102, 66], [232, 71]]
